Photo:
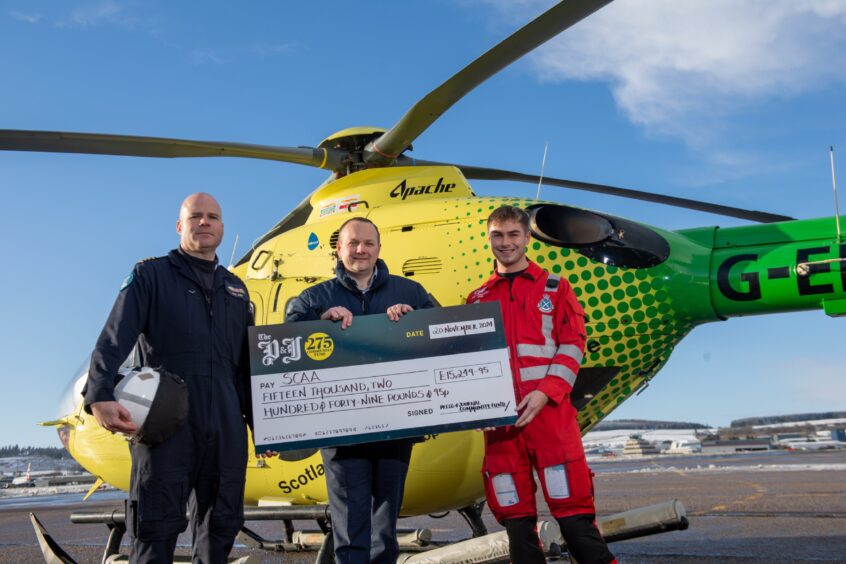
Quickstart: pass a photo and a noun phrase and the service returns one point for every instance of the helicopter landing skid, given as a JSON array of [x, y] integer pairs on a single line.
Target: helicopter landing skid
[[473, 515], [640, 522]]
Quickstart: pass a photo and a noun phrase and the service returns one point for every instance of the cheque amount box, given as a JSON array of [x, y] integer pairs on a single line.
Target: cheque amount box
[[433, 371]]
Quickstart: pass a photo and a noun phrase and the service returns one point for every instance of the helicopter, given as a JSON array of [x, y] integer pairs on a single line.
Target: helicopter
[[643, 288]]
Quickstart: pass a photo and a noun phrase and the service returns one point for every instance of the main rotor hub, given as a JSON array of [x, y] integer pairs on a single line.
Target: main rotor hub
[[353, 140]]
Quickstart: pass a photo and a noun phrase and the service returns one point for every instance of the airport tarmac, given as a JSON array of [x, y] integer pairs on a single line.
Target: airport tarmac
[[744, 508]]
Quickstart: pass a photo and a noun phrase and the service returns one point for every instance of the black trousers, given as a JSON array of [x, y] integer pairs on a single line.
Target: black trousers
[[580, 534], [365, 485], [200, 470]]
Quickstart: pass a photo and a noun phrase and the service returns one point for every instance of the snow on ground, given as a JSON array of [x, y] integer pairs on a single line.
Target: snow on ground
[[16, 465], [730, 468], [813, 422], [615, 440], [45, 490]]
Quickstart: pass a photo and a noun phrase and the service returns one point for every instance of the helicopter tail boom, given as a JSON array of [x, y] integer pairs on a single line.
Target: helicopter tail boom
[[788, 266]]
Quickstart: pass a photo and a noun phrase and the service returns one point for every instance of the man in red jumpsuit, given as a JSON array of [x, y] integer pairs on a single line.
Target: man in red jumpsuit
[[545, 333]]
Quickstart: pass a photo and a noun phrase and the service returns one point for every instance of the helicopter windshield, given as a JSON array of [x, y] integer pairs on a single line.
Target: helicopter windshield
[[294, 219], [72, 394]]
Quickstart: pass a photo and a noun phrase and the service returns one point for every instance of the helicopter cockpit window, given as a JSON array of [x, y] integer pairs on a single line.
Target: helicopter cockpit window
[[603, 238], [72, 394], [294, 219]]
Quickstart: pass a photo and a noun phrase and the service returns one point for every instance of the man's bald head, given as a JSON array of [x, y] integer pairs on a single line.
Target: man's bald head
[[192, 200], [200, 225]]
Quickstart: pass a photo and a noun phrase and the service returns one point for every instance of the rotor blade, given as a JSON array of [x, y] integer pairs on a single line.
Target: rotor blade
[[386, 148], [481, 173], [134, 146]]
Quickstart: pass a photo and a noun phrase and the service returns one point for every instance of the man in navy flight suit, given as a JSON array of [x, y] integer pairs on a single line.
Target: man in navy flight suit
[[188, 316]]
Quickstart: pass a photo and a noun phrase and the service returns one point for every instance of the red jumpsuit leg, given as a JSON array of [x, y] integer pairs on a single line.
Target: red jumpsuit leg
[[510, 489], [556, 451], [507, 472]]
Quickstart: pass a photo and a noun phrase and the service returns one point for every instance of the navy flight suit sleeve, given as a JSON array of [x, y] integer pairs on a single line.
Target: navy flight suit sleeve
[[125, 323], [244, 373]]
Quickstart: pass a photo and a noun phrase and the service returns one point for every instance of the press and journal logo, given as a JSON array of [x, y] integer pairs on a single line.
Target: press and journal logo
[[273, 349], [318, 346]]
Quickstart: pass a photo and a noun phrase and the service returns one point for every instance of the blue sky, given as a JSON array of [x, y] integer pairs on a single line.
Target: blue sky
[[731, 102]]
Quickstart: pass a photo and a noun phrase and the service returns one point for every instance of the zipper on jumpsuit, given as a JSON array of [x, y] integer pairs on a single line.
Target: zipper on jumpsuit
[[511, 308], [210, 310], [511, 353], [210, 305], [363, 300]]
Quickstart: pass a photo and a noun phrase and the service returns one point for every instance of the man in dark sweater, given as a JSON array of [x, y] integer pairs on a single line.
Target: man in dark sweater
[[365, 482]]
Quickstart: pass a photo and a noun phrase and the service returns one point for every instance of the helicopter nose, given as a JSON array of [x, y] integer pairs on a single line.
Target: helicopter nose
[[69, 403], [72, 395]]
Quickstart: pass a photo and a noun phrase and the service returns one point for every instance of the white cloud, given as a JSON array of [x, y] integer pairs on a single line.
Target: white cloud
[[28, 18], [130, 14], [682, 68], [135, 15], [92, 15]]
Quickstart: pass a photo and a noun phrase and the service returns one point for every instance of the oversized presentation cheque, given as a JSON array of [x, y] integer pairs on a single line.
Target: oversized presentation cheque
[[434, 370]]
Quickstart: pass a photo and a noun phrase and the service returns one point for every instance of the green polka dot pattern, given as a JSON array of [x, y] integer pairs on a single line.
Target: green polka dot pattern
[[630, 319]]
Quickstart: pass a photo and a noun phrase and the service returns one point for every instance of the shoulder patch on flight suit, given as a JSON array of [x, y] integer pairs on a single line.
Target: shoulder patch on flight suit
[[127, 282], [236, 291], [546, 305]]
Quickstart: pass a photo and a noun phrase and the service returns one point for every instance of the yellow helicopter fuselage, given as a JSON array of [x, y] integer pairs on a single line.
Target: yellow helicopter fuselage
[[433, 230]]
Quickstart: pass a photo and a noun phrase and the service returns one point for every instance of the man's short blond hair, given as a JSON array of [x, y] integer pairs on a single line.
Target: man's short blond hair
[[510, 213]]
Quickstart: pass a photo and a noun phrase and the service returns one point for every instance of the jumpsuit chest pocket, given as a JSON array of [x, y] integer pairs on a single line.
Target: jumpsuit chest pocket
[[234, 325], [196, 319]]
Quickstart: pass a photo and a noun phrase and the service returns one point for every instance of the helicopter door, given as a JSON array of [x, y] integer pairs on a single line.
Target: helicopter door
[[259, 277], [277, 302], [257, 303], [282, 292]]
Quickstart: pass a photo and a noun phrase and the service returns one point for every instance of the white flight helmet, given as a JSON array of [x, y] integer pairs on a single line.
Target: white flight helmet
[[136, 391], [157, 401]]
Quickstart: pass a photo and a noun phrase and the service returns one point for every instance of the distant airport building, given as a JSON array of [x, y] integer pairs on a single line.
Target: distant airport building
[[779, 438], [638, 446], [720, 446], [684, 446]]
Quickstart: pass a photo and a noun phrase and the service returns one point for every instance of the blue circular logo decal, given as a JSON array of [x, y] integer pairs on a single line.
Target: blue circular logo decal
[[313, 241]]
